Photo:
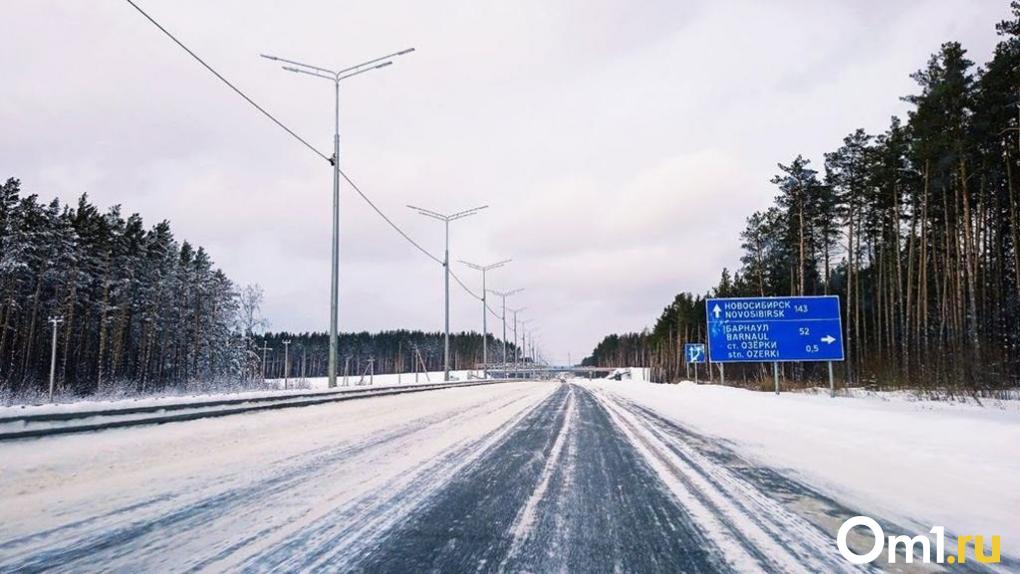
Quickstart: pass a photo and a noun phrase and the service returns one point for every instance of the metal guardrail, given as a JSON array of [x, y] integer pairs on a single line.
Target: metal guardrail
[[103, 419]]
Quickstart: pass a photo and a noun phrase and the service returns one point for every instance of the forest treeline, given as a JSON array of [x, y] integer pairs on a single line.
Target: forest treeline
[[136, 307], [142, 312], [398, 351], [917, 229]]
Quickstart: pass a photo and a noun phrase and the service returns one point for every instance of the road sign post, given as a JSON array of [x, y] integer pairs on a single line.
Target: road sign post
[[694, 353], [776, 330], [832, 383]]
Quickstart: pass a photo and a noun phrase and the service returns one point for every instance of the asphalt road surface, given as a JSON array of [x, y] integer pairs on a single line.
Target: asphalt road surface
[[521, 477]]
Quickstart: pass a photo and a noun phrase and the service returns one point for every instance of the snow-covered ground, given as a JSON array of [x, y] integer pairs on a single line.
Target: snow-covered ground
[[297, 386], [529, 476], [209, 494], [920, 462]]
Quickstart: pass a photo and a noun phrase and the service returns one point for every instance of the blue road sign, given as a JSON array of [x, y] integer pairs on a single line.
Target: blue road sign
[[767, 329], [694, 352]]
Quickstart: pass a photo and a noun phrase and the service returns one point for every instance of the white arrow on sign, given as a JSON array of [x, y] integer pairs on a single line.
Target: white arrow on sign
[[716, 310], [828, 339]]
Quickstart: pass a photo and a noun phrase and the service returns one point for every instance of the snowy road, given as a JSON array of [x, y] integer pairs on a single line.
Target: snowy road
[[533, 477]]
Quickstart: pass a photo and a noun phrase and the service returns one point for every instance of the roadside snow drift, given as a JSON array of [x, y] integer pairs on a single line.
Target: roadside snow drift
[[940, 463]]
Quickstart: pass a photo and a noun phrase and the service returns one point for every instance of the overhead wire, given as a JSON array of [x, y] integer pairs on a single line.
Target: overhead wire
[[304, 142], [394, 225], [227, 82], [494, 314]]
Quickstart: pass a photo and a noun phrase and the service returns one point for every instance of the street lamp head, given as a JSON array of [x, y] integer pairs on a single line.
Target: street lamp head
[[467, 212], [364, 65], [505, 294], [335, 75], [447, 218], [488, 267], [428, 213]]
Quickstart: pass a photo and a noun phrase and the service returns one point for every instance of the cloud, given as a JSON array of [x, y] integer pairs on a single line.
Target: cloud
[[621, 147]]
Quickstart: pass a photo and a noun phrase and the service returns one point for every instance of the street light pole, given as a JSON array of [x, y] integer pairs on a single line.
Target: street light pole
[[524, 339], [516, 348], [446, 219], [53, 352], [286, 363], [265, 350], [336, 76], [531, 350], [485, 311], [503, 295], [334, 258], [524, 350], [446, 305]]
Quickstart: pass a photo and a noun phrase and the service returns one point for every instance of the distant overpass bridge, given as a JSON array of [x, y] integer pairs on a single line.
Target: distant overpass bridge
[[531, 371]]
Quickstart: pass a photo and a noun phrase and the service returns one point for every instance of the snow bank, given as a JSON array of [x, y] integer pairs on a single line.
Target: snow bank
[[298, 387], [640, 374], [388, 379], [920, 463]]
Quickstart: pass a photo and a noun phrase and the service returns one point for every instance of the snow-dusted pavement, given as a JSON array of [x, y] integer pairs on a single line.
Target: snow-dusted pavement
[[535, 477]]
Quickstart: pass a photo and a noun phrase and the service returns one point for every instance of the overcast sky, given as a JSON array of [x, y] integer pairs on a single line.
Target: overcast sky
[[620, 145]]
